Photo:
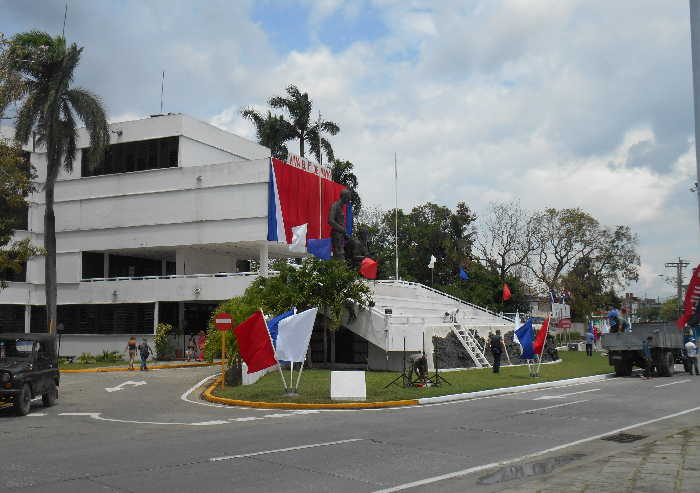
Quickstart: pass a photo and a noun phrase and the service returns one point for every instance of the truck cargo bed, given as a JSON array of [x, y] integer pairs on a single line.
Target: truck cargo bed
[[665, 335]]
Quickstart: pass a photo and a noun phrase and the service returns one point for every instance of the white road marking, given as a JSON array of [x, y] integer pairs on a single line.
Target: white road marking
[[186, 393], [672, 383], [37, 414], [530, 411], [561, 396], [121, 385], [278, 415], [209, 423], [483, 467], [251, 418], [288, 449]]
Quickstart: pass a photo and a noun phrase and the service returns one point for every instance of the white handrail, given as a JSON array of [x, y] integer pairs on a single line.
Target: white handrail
[[176, 276]]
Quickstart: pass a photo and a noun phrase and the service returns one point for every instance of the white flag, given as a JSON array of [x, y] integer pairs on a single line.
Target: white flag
[[517, 326], [298, 243], [431, 265], [294, 334]]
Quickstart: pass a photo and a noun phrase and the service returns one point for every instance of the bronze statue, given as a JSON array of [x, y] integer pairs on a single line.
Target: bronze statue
[[336, 219], [356, 248]]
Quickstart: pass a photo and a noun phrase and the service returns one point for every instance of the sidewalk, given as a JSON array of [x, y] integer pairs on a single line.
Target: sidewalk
[[662, 465]]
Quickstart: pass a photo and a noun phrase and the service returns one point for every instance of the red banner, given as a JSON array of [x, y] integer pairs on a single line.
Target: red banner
[[692, 298], [538, 345]]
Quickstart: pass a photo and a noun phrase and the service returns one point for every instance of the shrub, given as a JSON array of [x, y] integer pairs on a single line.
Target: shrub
[[86, 358], [109, 356], [164, 350]]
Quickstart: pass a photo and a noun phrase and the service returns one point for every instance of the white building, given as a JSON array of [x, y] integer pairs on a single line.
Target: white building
[[166, 227], [163, 229]]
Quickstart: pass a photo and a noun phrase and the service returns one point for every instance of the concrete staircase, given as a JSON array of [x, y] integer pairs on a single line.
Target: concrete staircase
[[417, 312]]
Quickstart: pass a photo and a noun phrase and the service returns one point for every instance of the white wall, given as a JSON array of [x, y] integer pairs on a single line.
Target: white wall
[[198, 261], [77, 344], [193, 153]]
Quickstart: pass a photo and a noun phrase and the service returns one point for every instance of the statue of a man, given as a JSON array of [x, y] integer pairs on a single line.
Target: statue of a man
[[336, 219]]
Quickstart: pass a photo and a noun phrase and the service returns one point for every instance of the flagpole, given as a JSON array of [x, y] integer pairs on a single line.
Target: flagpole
[[279, 367], [299, 376], [320, 187], [291, 375], [396, 215]]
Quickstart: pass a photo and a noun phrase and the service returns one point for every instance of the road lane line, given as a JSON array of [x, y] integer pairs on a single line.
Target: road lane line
[[530, 411], [561, 396], [288, 449], [187, 392], [672, 383], [251, 418], [471, 470]]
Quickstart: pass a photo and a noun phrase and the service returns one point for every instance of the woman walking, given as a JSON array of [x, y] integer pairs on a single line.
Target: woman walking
[[131, 350], [201, 341]]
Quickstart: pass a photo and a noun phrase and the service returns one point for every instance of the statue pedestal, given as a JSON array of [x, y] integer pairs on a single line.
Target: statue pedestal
[[348, 386]]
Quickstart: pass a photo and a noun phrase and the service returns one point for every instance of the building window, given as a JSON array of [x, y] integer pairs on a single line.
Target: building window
[[133, 156]]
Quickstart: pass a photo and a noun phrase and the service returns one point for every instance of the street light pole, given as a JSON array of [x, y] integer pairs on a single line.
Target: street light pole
[[679, 266], [695, 54]]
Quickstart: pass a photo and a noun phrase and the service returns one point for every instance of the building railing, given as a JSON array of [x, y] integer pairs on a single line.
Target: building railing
[[441, 293], [177, 276]]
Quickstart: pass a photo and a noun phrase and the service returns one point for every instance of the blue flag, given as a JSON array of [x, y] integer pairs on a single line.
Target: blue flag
[[463, 274], [525, 335], [348, 220], [273, 325], [320, 248]]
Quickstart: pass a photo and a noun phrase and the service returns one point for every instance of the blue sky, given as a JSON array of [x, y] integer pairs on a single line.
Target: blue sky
[[556, 103]]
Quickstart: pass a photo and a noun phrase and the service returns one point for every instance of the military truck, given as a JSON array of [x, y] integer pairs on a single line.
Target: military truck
[[28, 369], [625, 348]]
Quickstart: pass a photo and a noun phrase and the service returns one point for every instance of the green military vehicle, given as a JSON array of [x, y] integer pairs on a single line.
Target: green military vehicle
[[625, 348]]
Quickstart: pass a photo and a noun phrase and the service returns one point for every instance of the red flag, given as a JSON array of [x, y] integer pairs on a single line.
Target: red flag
[[368, 268], [254, 343], [506, 292], [692, 297], [538, 345]]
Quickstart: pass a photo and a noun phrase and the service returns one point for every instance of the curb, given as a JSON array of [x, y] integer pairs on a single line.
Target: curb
[[124, 368], [207, 395]]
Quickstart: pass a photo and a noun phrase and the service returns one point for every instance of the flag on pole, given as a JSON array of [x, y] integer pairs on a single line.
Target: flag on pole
[[463, 274], [538, 345], [431, 264], [254, 343], [368, 268], [294, 335], [506, 292], [525, 335], [517, 326], [298, 243], [273, 325], [348, 220]]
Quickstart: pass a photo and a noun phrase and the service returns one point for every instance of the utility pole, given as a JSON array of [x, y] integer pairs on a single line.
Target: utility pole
[[679, 266]]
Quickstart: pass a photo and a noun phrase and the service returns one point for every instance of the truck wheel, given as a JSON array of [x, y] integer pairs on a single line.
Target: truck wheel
[[23, 401], [623, 368], [666, 364], [49, 398]]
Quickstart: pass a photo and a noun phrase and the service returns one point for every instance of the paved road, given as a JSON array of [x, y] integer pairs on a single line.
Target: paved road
[[149, 437]]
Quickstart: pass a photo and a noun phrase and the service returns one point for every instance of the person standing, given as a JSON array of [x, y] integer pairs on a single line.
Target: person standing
[[590, 338], [691, 352], [191, 349], [131, 351], [646, 353], [497, 348], [201, 341], [145, 351]]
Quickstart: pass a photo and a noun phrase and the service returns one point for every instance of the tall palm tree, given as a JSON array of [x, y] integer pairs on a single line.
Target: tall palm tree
[[272, 131], [50, 109], [299, 107]]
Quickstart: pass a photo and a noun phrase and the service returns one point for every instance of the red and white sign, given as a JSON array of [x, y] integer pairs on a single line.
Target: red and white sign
[[223, 321], [564, 323], [309, 166]]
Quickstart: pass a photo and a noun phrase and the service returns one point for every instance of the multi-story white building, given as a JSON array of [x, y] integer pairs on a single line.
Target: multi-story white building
[[163, 229]]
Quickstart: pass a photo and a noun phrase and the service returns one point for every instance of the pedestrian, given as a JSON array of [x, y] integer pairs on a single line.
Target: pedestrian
[[191, 351], [691, 352], [131, 351], [646, 353], [201, 341], [497, 348], [145, 351], [590, 339], [613, 319]]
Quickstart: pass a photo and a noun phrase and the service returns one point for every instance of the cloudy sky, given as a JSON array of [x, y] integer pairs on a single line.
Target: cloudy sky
[[558, 103]]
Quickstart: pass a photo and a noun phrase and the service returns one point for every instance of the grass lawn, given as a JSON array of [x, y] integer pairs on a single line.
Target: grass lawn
[[315, 384]]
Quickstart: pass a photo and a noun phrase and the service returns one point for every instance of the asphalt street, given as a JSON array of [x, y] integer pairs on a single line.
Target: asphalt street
[[112, 432]]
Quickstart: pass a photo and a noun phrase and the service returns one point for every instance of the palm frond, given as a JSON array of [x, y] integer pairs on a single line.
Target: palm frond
[[89, 109]]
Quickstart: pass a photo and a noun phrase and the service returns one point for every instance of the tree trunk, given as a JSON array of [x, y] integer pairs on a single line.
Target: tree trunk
[[333, 349], [301, 143], [50, 259]]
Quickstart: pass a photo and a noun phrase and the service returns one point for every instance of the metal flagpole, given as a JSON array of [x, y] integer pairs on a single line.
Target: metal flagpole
[[299, 376], [396, 216], [320, 186], [279, 367]]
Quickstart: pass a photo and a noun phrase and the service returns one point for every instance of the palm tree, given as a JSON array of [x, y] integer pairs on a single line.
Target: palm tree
[[299, 106], [341, 172], [50, 108], [272, 131]]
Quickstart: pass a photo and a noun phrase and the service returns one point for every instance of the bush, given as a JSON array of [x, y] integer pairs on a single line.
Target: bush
[[86, 358], [164, 350], [110, 356]]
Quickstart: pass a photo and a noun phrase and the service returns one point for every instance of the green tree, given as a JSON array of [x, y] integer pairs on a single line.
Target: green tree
[[649, 313], [299, 107], [272, 131], [51, 107], [669, 310], [342, 172]]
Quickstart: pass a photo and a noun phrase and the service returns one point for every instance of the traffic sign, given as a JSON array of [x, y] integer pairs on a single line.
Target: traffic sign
[[223, 321]]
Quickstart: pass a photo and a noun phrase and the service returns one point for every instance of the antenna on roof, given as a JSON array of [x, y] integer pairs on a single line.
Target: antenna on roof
[[162, 85], [65, 15]]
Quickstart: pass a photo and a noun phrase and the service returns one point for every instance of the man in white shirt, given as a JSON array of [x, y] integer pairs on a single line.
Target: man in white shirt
[[691, 351]]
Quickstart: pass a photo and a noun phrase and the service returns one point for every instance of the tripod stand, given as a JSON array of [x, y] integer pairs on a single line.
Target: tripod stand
[[437, 378], [405, 379]]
